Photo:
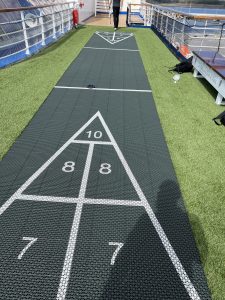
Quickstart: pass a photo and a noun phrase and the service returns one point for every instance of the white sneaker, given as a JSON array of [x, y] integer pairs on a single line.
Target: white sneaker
[[115, 29]]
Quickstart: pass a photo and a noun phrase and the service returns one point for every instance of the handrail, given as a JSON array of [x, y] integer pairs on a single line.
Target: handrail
[[28, 34], [184, 31], [37, 17], [33, 7], [178, 13]]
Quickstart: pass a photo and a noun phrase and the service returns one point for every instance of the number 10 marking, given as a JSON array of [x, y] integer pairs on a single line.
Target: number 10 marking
[[96, 134]]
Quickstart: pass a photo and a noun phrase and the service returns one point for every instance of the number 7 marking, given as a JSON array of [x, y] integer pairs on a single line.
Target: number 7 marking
[[118, 247], [32, 241]]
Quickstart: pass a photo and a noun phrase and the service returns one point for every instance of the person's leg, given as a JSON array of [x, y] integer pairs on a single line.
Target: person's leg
[[117, 14], [114, 16]]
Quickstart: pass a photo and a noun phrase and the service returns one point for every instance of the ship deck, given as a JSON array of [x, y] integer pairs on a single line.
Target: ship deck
[[97, 174]]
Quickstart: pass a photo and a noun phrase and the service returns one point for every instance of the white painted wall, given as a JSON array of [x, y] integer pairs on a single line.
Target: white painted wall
[[125, 2], [87, 10]]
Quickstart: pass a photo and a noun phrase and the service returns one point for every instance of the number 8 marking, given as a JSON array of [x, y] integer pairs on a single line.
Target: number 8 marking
[[105, 169], [68, 166]]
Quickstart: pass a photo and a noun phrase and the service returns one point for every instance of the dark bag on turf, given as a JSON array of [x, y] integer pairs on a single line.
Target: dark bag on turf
[[183, 67], [220, 119]]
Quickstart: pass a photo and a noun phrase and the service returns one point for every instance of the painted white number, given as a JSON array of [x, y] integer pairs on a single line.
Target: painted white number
[[118, 247], [105, 169], [31, 242], [68, 166], [97, 134]]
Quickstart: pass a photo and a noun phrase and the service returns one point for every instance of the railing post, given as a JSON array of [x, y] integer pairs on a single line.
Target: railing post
[[183, 31], [62, 20], [42, 29], [157, 20], [166, 28], [129, 12], [151, 15], [154, 16], [70, 13], [145, 15], [161, 25], [53, 24], [25, 33], [172, 32]]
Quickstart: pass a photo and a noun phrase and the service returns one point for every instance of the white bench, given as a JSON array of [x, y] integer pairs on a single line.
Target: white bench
[[211, 66]]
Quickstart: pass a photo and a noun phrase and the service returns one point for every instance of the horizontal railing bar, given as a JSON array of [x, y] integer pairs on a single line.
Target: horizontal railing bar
[[206, 38], [37, 17], [2, 57], [17, 42], [178, 13], [200, 46], [12, 22], [12, 32], [29, 37], [31, 46], [13, 9]]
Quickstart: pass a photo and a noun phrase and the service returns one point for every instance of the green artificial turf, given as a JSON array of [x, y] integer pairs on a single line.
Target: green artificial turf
[[186, 108], [197, 149], [24, 86]]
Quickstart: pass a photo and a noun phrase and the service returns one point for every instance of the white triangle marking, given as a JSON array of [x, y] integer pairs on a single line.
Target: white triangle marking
[[113, 38], [76, 221], [17, 194]]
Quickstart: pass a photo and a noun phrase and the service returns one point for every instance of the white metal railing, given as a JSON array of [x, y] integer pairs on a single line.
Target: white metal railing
[[186, 32], [102, 6], [24, 31]]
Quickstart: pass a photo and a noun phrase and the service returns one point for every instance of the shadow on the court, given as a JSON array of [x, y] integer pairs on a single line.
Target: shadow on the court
[[143, 269], [176, 223]]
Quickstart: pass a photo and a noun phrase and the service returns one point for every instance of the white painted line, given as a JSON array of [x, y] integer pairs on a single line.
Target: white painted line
[[18, 193], [86, 172], [92, 142], [114, 34], [69, 254], [123, 36], [112, 49], [107, 40], [111, 32], [101, 89], [74, 231], [56, 199], [8, 203], [112, 202], [48, 199], [168, 247]]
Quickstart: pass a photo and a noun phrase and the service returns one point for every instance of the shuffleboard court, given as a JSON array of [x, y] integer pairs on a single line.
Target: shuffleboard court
[[33, 243], [90, 207]]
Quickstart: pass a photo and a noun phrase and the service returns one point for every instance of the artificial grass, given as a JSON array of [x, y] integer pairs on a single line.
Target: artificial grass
[[185, 110], [24, 86], [196, 146]]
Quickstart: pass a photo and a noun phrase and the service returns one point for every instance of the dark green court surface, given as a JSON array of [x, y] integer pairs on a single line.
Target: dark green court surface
[[90, 207]]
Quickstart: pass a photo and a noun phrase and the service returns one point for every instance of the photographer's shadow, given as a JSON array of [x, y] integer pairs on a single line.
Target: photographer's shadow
[[143, 269]]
